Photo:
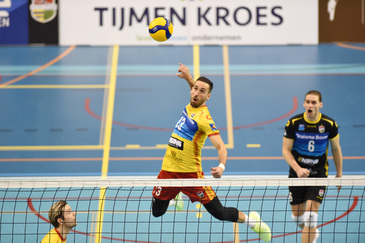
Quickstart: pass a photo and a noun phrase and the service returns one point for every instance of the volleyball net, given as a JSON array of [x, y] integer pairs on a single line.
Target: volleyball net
[[119, 210]]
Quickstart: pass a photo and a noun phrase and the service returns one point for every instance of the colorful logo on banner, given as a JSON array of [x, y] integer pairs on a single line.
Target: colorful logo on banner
[[43, 11]]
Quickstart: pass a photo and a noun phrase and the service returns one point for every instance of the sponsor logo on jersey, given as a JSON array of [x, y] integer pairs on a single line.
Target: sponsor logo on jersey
[[189, 119], [214, 128], [173, 156], [309, 136], [200, 194], [176, 143], [304, 136], [321, 129], [301, 127], [321, 193], [308, 161], [322, 137]]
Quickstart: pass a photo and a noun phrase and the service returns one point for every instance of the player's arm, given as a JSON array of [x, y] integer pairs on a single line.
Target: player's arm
[[289, 158], [222, 155], [185, 74], [337, 156]]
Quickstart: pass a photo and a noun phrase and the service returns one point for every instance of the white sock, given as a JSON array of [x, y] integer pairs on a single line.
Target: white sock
[[250, 221]]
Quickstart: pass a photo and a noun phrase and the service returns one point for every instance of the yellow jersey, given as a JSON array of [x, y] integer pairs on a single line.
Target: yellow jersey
[[183, 152], [53, 237]]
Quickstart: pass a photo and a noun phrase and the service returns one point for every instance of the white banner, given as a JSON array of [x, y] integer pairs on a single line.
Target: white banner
[[203, 22]]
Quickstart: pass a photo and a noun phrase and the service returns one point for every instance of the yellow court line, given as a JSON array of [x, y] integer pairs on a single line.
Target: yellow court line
[[85, 147], [196, 59], [100, 215], [247, 158], [53, 148], [50, 63], [133, 146], [227, 85], [110, 105], [107, 82], [228, 96], [107, 139], [55, 86], [109, 111], [253, 145], [236, 232]]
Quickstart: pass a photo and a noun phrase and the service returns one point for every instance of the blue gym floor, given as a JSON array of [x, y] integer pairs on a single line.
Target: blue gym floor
[[97, 111]]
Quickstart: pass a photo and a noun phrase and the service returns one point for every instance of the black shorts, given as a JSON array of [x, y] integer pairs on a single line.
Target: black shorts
[[300, 194]]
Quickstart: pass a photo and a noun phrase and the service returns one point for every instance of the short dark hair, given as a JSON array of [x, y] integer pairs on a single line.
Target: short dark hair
[[315, 92], [56, 212], [206, 80]]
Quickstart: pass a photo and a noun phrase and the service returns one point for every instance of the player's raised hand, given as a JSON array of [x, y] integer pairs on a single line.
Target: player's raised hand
[[183, 72], [216, 172]]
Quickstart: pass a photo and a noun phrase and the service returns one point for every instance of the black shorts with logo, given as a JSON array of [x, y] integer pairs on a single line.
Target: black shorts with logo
[[300, 194]]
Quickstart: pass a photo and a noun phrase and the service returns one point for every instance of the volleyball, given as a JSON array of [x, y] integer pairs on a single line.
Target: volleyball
[[161, 29]]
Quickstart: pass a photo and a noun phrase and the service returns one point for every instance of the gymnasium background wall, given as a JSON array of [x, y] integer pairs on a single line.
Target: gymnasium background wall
[[202, 22]]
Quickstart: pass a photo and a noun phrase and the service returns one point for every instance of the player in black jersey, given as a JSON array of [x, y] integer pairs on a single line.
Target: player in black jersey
[[305, 146]]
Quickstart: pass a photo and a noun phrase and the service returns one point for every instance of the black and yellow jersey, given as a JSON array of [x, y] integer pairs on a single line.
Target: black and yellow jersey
[[311, 141]]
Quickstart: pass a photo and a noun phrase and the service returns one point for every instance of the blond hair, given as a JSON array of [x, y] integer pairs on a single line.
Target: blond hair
[[56, 212], [315, 92]]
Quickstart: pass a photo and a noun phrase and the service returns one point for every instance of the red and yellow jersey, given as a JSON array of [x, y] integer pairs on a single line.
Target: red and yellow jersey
[[183, 152], [53, 237]]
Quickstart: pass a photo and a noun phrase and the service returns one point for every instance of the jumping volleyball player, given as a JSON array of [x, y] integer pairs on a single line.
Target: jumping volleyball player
[[183, 160]]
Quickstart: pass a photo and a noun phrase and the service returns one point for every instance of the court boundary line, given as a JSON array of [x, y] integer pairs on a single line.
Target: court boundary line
[[358, 48], [56, 86], [53, 61], [293, 109], [110, 111], [107, 138], [228, 98], [91, 113], [155, 158], [196, 61]]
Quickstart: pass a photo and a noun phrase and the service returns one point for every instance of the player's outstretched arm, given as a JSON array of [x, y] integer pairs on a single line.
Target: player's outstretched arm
[[222, 156], [185, 74]]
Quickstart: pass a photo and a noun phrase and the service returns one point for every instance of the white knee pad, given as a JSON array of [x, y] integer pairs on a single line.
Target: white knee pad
[[299, 220], [310, 219]]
